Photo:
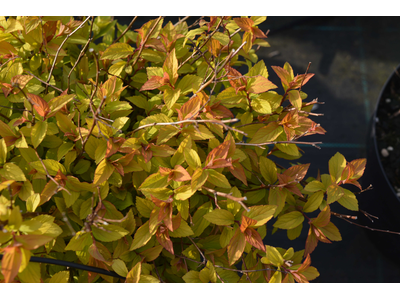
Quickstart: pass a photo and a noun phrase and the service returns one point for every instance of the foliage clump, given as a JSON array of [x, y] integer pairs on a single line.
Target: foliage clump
[[152, 154]]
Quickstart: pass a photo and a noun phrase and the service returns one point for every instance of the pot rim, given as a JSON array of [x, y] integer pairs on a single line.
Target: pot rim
[[375, 143]]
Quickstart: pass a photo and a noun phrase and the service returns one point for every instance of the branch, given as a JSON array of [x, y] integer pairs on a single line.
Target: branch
[[145, 40], [181, 20], [62, 44], [126, 30], [366, 227], [198, 249], [42, 81], [280, 142], [82, 53], [10, 59], [222, 123], [229, 196], [49, 176]]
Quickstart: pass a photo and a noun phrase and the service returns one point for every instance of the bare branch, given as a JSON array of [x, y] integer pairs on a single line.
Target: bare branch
[[126, 30], [279, 142], [62, 44], [229, 196]]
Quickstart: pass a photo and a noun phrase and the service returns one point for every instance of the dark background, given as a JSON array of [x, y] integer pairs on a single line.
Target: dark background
[[352, 57]]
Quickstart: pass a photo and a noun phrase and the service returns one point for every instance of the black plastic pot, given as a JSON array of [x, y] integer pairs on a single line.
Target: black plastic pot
[[382, 200]]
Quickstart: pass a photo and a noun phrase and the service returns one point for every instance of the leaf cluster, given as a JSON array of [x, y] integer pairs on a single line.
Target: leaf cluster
[[153, 153]]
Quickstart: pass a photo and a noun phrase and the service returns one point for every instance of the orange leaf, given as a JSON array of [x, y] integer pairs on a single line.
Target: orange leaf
[[323, 217], [39, 104], [219, 152], [298, 80], [311, 241], [153, 83], [244, 23], [282, 74], [261, 85], [237, 170], [10, 263], [246, 222], [297, 172], [180, 174], [254, 238]]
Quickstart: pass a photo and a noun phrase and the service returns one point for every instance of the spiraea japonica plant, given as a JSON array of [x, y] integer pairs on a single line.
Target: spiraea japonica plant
[[151, 153]]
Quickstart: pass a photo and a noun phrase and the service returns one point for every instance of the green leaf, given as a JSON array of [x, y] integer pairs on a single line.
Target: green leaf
[[183, 230], [192, 158], [261, 106], [331, 232], [171, 96], [268, 170], [336, 166], [289, 220], [272, 256], [314, 186], [313, 201], [189, 83], [32, 202], [142, 236], [120, 267], [348, 200], [261, 213], [267, 133], [11, 171], [220, 217], [236, 247], [109, 233], [57, 103], [38, 133], [79, 241], [60, 277], [200, 223], [334, 193], [218, 179], [103, 172], [51, 165], [116, 51], [154, 181], [192, 277]]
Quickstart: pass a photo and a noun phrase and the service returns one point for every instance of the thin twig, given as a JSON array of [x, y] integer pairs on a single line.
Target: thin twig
[[49, 176], [222, 123], [247, 275], [369, 228], [81, 54], [301, 85], [10, 59], [42, 81], [279, 142], [125, 31], [145, 40], [198, 249], [62, 44], [181, 20], [228, 196]]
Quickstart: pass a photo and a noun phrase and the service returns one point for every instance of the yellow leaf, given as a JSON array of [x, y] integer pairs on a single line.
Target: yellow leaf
[[60, 277], [119, 267], [142, 236], [220, 217], [236, 247], [103, 172], [134, 274], [38, 133], [116, 51], [289, 220], [336, 166]]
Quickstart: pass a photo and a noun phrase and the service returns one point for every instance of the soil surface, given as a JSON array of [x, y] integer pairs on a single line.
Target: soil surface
[[388, 131]]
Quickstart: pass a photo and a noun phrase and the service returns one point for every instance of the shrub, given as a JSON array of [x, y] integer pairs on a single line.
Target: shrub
[[153, 155]]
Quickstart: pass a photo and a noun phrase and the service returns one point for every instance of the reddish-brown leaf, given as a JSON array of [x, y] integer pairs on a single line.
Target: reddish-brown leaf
[[39, 104], [246, 222], [237, 170], [297, 172], [219, 152], [298, 80], [311, 241]]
